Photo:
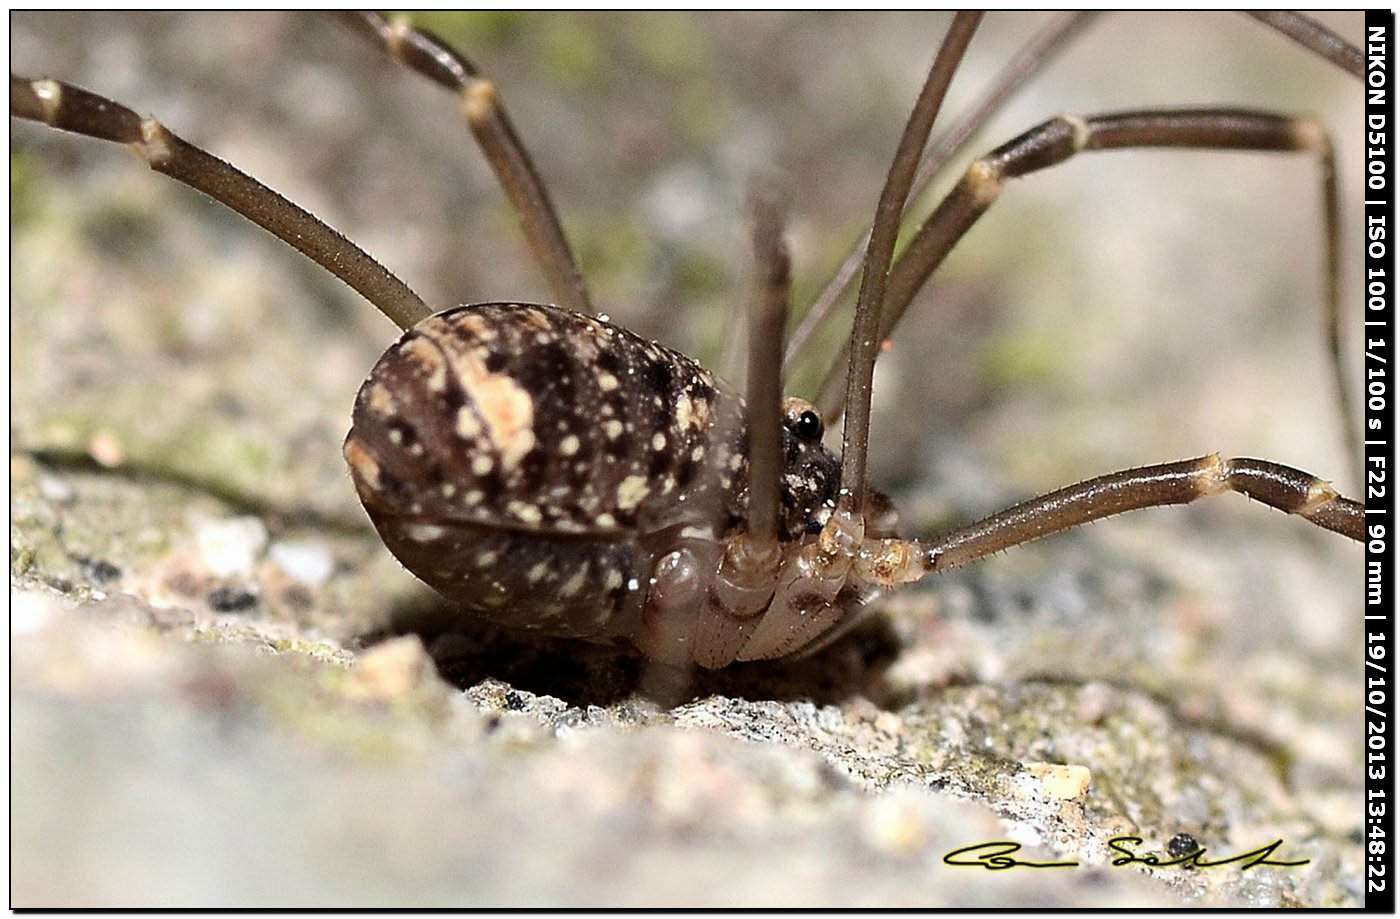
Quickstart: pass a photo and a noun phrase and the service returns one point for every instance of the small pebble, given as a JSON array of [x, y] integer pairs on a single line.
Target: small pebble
[[1182, 844], [308, 563], [386, 671], [231, 547], [106, 450], [1064, 782]]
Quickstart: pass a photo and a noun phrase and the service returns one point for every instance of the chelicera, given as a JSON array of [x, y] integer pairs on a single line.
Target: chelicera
[[545, 468]]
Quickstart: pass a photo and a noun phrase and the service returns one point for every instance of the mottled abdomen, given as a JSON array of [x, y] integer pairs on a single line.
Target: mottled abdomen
[[531, 463]]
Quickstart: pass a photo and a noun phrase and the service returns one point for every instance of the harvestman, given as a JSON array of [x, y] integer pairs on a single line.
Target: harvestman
[[551, 471]]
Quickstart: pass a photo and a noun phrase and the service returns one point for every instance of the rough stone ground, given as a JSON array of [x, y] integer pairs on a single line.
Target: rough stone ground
[[210, 704]]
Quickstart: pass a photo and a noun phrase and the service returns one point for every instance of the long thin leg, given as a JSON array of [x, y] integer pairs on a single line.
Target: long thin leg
[[1059, 139], [1040, 50], [748, 569], [1290, 490], [70, 108], [865, 328], [1316, 37], [767, 315], [425, 53], [1026, 63]]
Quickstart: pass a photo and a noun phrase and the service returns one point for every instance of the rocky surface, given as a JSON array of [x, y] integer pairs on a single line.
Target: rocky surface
[[224, 692]]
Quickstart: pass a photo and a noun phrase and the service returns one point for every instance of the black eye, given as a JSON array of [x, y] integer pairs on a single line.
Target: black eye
[[808, 426]]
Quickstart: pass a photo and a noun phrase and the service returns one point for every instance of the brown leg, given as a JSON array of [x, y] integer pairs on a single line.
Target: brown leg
[[865, 336], [1290, 490], [748, 568], [1041, 49], [767, 316], [1026, 63], [69, 108], [1316, 37], [428, 55], [1059, 139]]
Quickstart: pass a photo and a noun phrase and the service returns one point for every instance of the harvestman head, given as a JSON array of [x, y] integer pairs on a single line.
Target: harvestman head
[[551, 471]]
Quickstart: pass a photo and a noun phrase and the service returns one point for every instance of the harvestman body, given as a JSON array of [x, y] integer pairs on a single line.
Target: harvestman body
[[551, 471]]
